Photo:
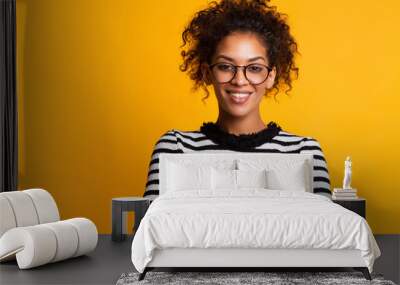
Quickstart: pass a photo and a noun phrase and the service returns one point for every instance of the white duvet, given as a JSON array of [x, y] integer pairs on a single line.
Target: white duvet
[[251, 218]]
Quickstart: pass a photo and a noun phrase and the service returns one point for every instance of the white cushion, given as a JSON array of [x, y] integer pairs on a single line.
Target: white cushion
[[168, 175], [26, 208], [224, 179], [228, 179], [23, 208], [279, 162], [186, 177], [67, 239], [45, 205], [252, 178], [292, 178], [34, 244], [40, 244], [291, 175], [87, 233], [7, 218]]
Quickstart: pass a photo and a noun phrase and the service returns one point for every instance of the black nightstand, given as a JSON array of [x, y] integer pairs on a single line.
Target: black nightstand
[[119, 208], [357, 205]]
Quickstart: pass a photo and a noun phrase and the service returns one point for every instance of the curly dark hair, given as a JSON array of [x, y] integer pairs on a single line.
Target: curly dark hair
[[209, 26]]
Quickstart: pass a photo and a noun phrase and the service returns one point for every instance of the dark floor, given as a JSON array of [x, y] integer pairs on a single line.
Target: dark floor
[[111, 259]]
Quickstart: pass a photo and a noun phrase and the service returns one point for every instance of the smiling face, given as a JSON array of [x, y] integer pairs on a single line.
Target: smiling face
[[239, 97]]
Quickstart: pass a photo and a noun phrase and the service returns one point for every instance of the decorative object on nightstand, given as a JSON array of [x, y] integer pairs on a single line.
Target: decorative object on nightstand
[[357, 205], [347, 173], [122, 205], [347, 192], [347, 196], [344, 194]]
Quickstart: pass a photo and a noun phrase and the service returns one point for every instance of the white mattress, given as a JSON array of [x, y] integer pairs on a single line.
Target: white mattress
[[252, 218]]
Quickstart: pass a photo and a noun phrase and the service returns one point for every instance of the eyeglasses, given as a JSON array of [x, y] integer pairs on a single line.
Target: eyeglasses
[[255, 73]]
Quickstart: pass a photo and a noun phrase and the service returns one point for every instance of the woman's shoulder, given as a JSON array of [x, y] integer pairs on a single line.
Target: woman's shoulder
[[174, 134], [292, 138]]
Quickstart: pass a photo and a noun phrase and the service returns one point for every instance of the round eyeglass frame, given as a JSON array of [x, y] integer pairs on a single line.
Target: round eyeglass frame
[[244, 71]]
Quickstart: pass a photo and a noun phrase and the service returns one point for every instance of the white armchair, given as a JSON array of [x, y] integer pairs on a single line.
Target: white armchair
[[31, 230]]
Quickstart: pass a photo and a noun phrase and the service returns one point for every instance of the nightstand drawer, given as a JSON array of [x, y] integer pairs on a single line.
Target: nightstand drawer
[[357, 206]]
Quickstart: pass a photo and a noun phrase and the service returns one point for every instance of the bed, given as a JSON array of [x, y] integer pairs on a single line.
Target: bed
[[247, 210]]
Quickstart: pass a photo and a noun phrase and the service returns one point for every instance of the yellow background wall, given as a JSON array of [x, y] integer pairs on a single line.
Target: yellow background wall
[[98, 83]]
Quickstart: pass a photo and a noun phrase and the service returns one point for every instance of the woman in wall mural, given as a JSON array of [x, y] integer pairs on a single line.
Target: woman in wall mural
[[245, 51]]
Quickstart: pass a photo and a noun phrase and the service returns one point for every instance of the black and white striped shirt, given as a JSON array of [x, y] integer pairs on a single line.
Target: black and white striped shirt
[[210, 138]]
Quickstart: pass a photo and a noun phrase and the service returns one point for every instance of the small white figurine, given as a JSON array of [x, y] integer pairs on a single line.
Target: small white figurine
[[347, 173]]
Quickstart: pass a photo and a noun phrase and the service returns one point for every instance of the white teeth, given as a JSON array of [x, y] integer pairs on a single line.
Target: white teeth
[[239, 95]]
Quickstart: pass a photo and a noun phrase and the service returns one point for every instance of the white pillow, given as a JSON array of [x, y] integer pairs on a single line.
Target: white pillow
[[281, 174], [187, 177], [223, 164], [224, 179], [293, 179], [252, 178], [235, 179]]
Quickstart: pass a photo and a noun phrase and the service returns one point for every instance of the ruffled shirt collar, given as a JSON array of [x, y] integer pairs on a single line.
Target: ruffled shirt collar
[[242, 141]]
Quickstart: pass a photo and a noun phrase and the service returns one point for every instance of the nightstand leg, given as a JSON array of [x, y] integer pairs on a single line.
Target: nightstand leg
[[117, 220], [124, 219]]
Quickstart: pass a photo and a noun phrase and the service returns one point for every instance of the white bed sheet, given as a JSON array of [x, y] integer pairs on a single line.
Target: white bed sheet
[[250, 218]]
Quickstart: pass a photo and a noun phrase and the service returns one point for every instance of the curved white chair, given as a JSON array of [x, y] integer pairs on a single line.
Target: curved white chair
[[31, 230]]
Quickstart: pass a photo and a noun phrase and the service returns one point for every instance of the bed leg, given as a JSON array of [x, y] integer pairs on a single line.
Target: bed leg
[[143, 274], [364, 271]]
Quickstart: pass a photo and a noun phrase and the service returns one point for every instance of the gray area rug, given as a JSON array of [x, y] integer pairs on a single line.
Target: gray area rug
[[229, 278]]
